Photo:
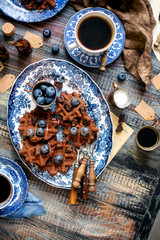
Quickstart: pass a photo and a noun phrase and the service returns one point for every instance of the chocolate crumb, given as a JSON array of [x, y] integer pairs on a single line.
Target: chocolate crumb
[[86, 122], [60, 99], [58, 85], [34, 120], [74, 122], [58, 116], [82, 109], [67, 106], [36, 151], [119, 128], [121, 118], [68, 149]]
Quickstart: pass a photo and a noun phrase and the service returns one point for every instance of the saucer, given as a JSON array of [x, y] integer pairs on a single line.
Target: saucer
[[20, 185], [84, 58]]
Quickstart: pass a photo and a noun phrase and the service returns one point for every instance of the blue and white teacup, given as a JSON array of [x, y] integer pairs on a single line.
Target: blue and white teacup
[[6, 190], [78, 42]]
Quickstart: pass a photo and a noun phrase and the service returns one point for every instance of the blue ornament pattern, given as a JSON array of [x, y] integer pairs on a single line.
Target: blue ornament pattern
[[94, 60], [74, 79], [19, 182], [15, 10]]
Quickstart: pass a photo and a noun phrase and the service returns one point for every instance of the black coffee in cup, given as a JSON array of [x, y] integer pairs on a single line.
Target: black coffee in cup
[[147, 138], [5, 189], [95, 32]]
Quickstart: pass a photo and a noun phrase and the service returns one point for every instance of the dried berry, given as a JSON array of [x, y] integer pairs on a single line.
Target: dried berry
[[121, 118], [119, 128]]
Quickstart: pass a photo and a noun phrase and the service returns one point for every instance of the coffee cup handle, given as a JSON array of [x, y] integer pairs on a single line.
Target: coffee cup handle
[[73, 45], [115, 85]]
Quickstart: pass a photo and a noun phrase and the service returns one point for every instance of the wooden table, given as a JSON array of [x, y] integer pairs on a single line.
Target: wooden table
[[126, 201]]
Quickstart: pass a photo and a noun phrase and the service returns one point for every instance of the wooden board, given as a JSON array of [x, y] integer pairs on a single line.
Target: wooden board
[[126, 201]]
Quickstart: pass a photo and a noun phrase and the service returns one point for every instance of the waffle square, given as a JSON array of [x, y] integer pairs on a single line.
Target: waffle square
[[65, 108], [69, 155], [30, 121]]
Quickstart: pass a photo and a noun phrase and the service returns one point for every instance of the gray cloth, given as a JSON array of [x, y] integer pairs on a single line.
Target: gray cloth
[[31, 207]]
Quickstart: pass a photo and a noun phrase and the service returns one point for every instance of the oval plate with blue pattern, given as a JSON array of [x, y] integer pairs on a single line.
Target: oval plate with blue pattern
[[94, 60], [74, 79], [15, 10], [20, 185]]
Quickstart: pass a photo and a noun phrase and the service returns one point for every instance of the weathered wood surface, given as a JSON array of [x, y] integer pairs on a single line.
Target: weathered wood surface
[[127, 197]]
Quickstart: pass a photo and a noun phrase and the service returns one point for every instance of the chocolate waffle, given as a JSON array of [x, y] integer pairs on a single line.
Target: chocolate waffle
[[32, 152], [69, 155], [66, 109], [30, 121], [80, 123], [32, 4]]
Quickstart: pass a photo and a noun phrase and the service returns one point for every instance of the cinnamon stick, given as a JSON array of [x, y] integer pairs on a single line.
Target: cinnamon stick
[[16, 44], [103, 61]]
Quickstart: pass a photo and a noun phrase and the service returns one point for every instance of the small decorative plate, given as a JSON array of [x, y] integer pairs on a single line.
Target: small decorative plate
[[74, 79], [20, 185], [94, 60], [15, 10]]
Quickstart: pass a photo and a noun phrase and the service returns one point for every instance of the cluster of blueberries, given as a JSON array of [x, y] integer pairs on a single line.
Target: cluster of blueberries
[[58, 159], [44, 94], [84, 131], [44, 149], [40, 130]]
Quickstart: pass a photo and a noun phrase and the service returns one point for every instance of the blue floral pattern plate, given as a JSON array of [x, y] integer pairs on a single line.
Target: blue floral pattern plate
[[20, 185], [94, 60], [15, 10], [74, 79]]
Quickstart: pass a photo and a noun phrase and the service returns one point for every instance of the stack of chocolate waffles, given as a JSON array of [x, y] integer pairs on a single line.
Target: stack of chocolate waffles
[[39, 129]]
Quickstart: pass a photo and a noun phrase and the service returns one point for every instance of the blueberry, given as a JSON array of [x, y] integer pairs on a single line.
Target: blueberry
[[48, 100], [55, 49], [37, 93], [42, 124], [58, 159], [39, 2], [43, 88], [84, 132], [30, 133], [40, 100], [44, 149], [121, 76], [50, 92], [47, 33], [75, 101], [40, 132], [73, 131]]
